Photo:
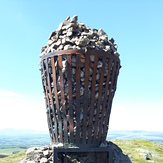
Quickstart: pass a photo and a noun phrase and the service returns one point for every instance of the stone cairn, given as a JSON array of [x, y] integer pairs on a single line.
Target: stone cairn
[[72, 34], [45, 155], [75, 35]]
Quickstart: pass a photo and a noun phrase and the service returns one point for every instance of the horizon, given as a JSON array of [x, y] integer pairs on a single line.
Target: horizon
[[137, 30], [47, 131]]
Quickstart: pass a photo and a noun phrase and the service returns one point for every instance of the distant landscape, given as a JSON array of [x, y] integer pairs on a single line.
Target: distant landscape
[[156, 137], [23, 139], [15, 141]]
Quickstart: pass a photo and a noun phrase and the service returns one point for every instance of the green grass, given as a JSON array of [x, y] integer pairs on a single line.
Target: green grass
[[13, 158], [129, 147], [132, 149], [10, 150]]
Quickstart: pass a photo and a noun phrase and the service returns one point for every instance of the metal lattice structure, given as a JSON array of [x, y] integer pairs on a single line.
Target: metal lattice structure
[[79, 87]]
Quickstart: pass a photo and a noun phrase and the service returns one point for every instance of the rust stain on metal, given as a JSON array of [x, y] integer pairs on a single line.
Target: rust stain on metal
[[77, 116]]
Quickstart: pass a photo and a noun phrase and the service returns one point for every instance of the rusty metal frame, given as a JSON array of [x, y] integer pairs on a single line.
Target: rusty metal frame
[[75, 51], [90, 132], [82, 150]]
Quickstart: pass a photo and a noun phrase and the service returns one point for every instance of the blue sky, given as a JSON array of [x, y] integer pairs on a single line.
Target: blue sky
[[136, 27]]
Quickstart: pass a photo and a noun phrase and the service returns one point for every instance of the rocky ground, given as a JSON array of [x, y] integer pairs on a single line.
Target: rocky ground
[[45, 155]]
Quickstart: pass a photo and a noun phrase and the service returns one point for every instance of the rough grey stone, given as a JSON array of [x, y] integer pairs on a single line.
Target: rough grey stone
[[43, 160], [118, 156], [74, 19], [58, 43], [69, 33], [75, 35], [50, 42], [46, 153], [101, 32], [68, 46], [82, 41], [111, 40]]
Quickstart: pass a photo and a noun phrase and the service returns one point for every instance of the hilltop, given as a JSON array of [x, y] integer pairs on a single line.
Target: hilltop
[[136, 144], [139, 151]]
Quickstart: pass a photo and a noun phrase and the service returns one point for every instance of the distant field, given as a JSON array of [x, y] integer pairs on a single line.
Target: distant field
[[8, 151]]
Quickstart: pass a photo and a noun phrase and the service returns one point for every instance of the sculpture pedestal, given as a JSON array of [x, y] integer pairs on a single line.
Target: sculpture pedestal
[[97, 151]]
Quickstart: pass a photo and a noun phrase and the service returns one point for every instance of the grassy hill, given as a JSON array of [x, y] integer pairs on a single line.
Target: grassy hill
[[141, 151], [137, 150], [13, 158]]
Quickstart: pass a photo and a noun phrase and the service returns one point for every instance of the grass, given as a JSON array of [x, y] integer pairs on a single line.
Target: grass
[[13, 158], [10, 150], [130, 147], [133, 147]]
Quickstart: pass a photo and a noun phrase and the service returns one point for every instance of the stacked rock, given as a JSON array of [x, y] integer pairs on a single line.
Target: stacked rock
[[75, 35], [42, 154], [45, 155]]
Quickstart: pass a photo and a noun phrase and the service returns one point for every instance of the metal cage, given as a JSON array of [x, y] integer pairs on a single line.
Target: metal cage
[[79, 87]]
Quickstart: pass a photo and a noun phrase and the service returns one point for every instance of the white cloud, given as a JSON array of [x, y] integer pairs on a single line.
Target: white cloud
[[21, 112], [133, 115]]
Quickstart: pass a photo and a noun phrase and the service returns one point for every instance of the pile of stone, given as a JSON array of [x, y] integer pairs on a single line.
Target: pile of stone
[[147, 155], [75, 35], [45, 155], [42, 154]]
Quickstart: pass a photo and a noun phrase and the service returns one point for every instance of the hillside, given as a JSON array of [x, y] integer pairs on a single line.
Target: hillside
[[13, 158], [13, 143], [139, 151]]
